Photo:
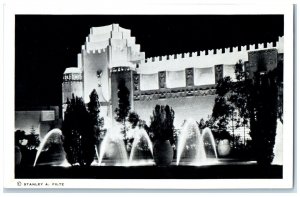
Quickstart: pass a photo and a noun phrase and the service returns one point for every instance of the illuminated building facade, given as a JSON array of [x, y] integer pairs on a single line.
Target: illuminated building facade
[[186, 82]]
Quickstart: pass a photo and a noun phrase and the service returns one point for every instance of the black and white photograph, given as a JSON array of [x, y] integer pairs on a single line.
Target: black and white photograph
[[149, 97]]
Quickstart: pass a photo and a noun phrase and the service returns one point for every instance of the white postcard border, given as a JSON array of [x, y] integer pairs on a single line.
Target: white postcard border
[[48, 8]]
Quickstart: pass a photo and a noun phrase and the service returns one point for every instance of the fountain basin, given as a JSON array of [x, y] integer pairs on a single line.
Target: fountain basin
[[163, 153]]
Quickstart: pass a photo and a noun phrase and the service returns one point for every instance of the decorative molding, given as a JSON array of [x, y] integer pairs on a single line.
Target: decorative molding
[[218, 72], [136, 82], [120, 69], [174, 93], [162, 79], [189, 76], [263, 60], [70, 77]]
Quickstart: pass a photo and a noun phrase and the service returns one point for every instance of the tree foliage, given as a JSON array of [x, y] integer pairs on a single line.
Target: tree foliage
[[232, 97], [19, 136], [225, 113], [94, 113], [134, 119], [28, 150], [33, 140], [79, 137], [123, 109], [94, 110], [255, 101], [263, 119], [124, 104], [162, 123]]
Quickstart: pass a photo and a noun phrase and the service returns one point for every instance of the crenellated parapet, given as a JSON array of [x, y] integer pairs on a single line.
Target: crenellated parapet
[[205, 58], [97, 51], [218, 52]]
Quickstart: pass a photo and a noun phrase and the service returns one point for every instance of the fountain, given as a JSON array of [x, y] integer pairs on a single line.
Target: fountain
[[141, 138], [278, 159], [192, 145], [52, 136], [113, 148], [207, 132]]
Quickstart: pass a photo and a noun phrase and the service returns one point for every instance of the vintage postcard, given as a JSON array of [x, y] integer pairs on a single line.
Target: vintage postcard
[[188, 97]]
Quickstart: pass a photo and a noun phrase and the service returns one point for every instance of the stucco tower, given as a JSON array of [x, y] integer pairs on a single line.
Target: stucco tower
[[108, 55]]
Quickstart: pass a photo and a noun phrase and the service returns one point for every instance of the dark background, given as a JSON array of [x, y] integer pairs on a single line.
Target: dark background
[[47, 44]]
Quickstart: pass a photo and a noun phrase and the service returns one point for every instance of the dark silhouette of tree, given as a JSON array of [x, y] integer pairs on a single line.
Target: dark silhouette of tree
[[162, 123], [96, 120], [124, 105], [33, 140], [218, 127], [79, 138], [134, 119], [263, 119], [279, 74], [224, 111], [28, 150], [94, 110], [201, 124], [19, 136], [256, 101]]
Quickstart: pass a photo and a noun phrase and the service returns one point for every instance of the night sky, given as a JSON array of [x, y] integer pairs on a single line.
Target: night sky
[[47, 44]]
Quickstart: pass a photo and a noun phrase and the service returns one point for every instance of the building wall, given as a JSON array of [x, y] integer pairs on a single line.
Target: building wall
[[184, 107], [111, 47], [182, 61], [149, 81], [184, 78], [40, 120], [264, 60], [204, 76], [93, 63], [72, 87]]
